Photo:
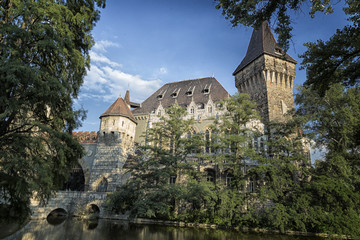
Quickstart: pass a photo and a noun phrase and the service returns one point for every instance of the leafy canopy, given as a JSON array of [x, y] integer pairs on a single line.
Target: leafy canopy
[[44, 53]]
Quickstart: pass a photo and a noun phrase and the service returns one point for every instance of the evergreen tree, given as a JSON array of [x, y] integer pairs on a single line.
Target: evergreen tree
[[161, 166], [44, 53], [233, 134]]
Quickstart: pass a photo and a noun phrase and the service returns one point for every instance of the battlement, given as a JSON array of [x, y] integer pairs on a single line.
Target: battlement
[[86, 137]]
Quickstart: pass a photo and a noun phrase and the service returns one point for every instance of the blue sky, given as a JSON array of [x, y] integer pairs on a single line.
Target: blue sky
[[142, 44]]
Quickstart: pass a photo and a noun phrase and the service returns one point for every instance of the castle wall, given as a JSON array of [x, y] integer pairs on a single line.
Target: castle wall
[[269, 82]]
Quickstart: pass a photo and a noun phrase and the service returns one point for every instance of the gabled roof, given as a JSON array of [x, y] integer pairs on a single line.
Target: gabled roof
[[262, 42], [119, 108], [183, 92]]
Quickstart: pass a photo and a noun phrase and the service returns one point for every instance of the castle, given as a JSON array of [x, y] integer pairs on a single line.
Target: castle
[[266, 74]]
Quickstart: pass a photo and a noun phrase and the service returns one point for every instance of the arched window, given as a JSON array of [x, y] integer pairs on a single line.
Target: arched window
[[102, 187], [251, 186], [213, 142], [207, 141]]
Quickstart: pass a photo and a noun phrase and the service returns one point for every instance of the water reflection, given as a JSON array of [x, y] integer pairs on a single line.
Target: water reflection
[[77, 229]]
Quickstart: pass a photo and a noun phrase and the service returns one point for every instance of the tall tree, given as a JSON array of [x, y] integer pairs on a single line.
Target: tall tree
[[44, 53], [162, 164]]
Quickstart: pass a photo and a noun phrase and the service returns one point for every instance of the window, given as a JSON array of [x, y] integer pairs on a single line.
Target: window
[[192, 110], [172, 180], [201, 106], [251, 186], [229, 178], [160, 96], [256, 144], [159, 113], [207, 141], [210, 109]]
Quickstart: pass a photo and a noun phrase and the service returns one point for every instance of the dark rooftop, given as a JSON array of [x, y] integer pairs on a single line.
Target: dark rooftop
[[262, 41], [183, 92]]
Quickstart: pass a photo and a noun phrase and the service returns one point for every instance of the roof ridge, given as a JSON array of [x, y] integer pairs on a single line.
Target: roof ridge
[[189, 80]]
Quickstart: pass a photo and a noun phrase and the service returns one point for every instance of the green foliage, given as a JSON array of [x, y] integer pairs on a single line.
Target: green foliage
[[253, 13], [44, 52]]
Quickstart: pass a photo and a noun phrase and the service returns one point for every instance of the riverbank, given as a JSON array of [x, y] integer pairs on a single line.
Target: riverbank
[[214, 226]]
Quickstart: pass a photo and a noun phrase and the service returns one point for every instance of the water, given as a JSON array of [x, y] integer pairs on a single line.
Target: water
[[77, 229]]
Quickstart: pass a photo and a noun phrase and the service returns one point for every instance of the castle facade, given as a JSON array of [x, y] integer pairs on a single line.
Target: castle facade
[[266, 74]]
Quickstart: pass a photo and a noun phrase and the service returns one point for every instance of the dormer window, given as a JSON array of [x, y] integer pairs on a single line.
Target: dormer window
[[161, 95], [190, 91], [175, 93], [278, 50], [206, 89]]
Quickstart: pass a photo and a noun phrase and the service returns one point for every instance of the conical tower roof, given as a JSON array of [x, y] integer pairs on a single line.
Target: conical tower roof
[[119, 108], [262, 42]]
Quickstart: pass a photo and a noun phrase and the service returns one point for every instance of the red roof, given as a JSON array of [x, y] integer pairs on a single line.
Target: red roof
[[119, 108]]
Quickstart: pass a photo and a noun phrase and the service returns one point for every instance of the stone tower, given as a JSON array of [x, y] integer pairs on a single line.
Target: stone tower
[[115, 141], [267, 74]]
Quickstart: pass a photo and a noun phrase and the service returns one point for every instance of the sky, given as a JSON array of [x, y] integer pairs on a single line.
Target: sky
[[140, 45]]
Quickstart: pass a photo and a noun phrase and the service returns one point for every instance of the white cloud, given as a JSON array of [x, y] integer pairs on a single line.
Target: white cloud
[[100, 58], [105, 81], [163, 70], [100, 46]]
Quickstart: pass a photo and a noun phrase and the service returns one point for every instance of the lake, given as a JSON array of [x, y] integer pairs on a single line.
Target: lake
[[78, 229]]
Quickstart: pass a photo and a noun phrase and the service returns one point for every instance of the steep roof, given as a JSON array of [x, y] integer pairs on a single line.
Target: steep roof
[[119, 108], [183, 92], [262, 41]]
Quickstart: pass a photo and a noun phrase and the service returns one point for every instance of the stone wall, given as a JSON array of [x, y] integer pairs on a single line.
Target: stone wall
[[269, 82]]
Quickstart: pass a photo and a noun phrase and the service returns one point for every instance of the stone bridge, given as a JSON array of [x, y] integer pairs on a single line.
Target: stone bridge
[[74, 203]]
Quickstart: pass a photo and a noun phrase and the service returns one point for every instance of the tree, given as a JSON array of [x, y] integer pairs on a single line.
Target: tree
[[328, 108], [232, 135], [253, 13], [44, 53], [162, 164]]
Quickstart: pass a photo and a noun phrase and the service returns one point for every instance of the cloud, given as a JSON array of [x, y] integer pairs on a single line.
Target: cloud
[[100, 46], [100, 58], [163, 70], [106, 81]]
